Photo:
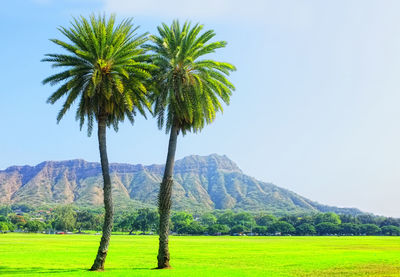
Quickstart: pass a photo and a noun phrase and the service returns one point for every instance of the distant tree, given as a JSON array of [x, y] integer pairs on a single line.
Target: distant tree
[[305, 229], [180, 221], [85, 220], [369, 229], [237, 229], [226, 218], [261, 230], [390, 230], [369, 219], [194, 228], [18, 220], [5, 210], [349, 229], [327, 228], [265, 220], [25, 208], [218, 229], [105, 72], [11, 227], [35, 226], [208, 219], [245, 219], [188, 92], [346, 218], [127, 222], [327, 218], [98, 222], [145, 220], [292, 219], [64, 218], [390, 221], [305, 219], [3, 227], [281, 227]]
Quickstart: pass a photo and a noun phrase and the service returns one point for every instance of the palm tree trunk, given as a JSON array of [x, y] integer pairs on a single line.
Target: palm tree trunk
[[108, 204], [164, 201]]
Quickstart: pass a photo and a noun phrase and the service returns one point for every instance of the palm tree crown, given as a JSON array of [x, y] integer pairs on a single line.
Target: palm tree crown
[[105, 70], [188, 87]]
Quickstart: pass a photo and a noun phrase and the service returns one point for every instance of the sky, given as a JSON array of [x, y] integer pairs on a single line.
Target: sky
[[316, 106]]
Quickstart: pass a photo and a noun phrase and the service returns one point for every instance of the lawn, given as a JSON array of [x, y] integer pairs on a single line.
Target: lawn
[[71, 255]]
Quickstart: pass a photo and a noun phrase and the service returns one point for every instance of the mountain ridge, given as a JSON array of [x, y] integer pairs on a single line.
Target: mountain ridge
[[201, 183]]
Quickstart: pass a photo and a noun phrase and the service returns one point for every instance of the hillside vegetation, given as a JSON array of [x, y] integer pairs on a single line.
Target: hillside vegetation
[[201, 183]]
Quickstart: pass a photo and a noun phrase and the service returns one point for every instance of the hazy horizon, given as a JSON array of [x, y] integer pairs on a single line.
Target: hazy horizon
[[315, 108]]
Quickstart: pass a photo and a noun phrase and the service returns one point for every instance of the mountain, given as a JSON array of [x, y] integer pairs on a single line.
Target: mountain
[[201, 183]]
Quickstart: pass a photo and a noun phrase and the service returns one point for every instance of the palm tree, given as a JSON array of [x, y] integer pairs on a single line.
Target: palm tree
[[187, 97], [105, 70]]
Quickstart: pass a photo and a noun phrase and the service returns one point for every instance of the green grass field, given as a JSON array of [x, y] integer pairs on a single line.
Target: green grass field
[[71, 255]]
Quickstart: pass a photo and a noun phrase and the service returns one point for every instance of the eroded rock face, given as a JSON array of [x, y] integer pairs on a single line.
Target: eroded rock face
[[201, 182]]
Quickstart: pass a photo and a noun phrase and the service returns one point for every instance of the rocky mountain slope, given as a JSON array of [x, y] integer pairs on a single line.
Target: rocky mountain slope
[[201, 182]]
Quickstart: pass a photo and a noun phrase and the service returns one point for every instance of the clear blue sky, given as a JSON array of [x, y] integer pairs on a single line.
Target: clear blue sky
[[316, 108]]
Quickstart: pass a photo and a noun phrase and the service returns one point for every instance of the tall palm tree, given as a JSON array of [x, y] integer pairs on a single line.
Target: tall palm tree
[[188, 94], [105, 70]]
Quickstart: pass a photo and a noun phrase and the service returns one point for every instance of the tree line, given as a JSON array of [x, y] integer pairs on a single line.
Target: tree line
[[146, 221]]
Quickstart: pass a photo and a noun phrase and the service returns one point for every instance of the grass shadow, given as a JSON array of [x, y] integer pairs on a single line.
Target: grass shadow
[[42, 270], [35, 270]]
